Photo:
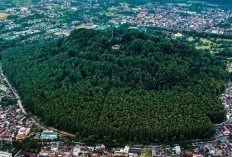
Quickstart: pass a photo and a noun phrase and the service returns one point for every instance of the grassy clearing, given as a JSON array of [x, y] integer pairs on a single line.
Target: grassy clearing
[[204, 40], [146, 153], [81, 26], [202, 47], [229, 64], [214, 45], [190, 39], [229, 40], [4, 15]]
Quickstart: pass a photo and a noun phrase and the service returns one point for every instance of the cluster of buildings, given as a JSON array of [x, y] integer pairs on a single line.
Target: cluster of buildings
[[47, 20], [35, 22], [6, 90], [173, 16], [61, 149], [15, 124], [11, 119], [201, 149], [56, 149]]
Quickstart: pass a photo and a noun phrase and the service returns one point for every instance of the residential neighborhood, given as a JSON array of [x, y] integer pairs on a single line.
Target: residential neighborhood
[[48, 20]]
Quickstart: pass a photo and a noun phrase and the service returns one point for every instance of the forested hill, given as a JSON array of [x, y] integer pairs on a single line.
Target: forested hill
[[151, 89]]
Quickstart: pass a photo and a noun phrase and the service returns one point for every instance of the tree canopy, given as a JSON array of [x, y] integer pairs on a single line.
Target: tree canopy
[[120, 85]]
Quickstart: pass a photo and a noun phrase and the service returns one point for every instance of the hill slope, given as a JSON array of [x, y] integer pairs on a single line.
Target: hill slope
[[150, 90]]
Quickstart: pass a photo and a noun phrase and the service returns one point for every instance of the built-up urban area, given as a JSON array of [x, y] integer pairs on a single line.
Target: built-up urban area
[[53, 19]]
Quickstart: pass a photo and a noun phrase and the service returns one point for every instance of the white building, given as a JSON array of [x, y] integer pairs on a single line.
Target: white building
[[24, 131], [178, 151], [5, 154], [48, 134]]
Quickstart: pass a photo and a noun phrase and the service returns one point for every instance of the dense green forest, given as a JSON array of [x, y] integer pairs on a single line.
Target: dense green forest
[[125, 85]]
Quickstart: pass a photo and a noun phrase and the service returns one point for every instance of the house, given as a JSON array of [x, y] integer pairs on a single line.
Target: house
[[46, 152], [24, 131], [96, 155], [100, 147], [134, 152], [20, 137], [6, 136], [27, 154], [229, 128], [122, 152], [225, 131]]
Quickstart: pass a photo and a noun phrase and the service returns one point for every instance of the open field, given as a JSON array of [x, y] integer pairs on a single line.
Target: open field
[[214, 45], [190, 39], [4, 15], [146, 153], [229, 64], [204, 40], [202, 47], [205, 44], [229, 40]]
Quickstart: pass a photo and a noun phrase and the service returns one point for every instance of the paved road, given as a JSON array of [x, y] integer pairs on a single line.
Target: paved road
[[19, 103], [16, 94]]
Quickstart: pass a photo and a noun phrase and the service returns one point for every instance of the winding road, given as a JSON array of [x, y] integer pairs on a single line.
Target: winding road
[[19, 103]]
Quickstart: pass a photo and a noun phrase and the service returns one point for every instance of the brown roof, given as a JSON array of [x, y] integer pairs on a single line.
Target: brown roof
[[28, 154]]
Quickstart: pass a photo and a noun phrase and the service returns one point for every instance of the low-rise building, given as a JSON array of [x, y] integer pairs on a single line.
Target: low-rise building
[[178, 150], [6, 136], [5, 154], [225, 131], [22, 133], [49, 135]]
